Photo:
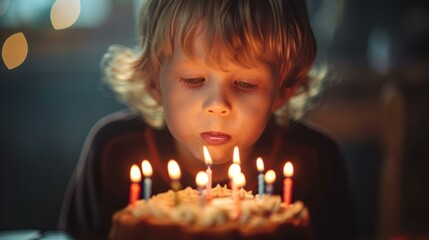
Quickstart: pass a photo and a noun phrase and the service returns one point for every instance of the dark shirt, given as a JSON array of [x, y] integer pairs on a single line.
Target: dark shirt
[[100, 184]]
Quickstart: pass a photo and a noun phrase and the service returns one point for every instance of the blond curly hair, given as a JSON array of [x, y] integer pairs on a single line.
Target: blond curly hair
[[276, 32]]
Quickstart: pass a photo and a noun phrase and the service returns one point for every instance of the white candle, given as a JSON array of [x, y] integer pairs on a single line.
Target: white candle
[[208, 161], [240, 181], [174, 170], [233, 170], [175, 174], [201, 180], [234, 173]]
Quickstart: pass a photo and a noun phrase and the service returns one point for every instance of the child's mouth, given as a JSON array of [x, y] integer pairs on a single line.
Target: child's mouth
[[215, 138]]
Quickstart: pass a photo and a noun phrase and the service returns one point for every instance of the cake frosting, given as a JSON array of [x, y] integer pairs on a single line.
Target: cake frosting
[[187, 215]]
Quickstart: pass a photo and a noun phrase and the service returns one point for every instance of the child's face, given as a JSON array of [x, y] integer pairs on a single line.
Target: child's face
[[205, 105]]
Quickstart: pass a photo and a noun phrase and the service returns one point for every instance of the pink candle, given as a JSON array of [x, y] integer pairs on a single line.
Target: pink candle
[[287, 183], [135, 188]]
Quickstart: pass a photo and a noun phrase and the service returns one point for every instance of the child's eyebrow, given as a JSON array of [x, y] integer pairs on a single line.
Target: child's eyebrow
[[185, 63]]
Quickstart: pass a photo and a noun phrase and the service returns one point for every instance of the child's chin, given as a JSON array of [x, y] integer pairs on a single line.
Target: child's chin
[[222, 161]]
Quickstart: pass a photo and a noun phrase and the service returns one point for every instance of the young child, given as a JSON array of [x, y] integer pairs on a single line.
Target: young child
[[210, 73]]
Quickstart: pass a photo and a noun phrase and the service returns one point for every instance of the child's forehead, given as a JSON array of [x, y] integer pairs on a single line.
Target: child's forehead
[[198, 50], [198, 58]]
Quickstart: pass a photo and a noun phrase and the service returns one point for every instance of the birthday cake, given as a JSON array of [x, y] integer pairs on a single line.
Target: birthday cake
[[187, 215]]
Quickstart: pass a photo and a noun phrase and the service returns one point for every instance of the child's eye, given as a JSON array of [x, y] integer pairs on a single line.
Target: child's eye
[[245, 85], [192, 82]]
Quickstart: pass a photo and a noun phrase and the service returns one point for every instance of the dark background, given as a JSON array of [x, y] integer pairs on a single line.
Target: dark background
[[50, 102]]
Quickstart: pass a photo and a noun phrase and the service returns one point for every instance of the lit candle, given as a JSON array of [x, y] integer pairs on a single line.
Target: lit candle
[[236, 156], [147, 172], [233, 171], [136, 177], [260, 167], [175, 174], [201, 180], [240, 181], [287, 183], [270, 178], [208, 161]]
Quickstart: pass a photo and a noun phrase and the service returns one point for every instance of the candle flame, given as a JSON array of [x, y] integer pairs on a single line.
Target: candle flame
[[234, 170], [240, 180], [270, 177], [201, 179], [135, 174], [260, 164], [147, 168], [288, 169], [207, 157], [236, 156], [173, 170]]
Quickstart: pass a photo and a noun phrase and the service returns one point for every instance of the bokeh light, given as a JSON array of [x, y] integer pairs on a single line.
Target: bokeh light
[[379, 50], [3, 6], [64, 13], [14, 50]]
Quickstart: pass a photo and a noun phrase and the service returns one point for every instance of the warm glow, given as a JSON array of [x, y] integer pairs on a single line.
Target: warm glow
[[64, 13], [207, 157], [260, 164], [135, 174], [234, 170], [14, 50], [288, 169], [201, 179], [236, 156], [270, 177], [173, 170], [240, 180], [147, 168]]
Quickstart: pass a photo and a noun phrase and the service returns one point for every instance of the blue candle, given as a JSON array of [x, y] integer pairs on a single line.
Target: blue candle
[[261, 184], [270, 178], [147, 188], [147, 172]]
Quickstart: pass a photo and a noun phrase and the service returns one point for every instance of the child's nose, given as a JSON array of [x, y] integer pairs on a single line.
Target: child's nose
[[217, 103]]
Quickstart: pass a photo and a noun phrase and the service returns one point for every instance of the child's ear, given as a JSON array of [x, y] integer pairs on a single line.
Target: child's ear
[[154, 91], [283, 97]]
